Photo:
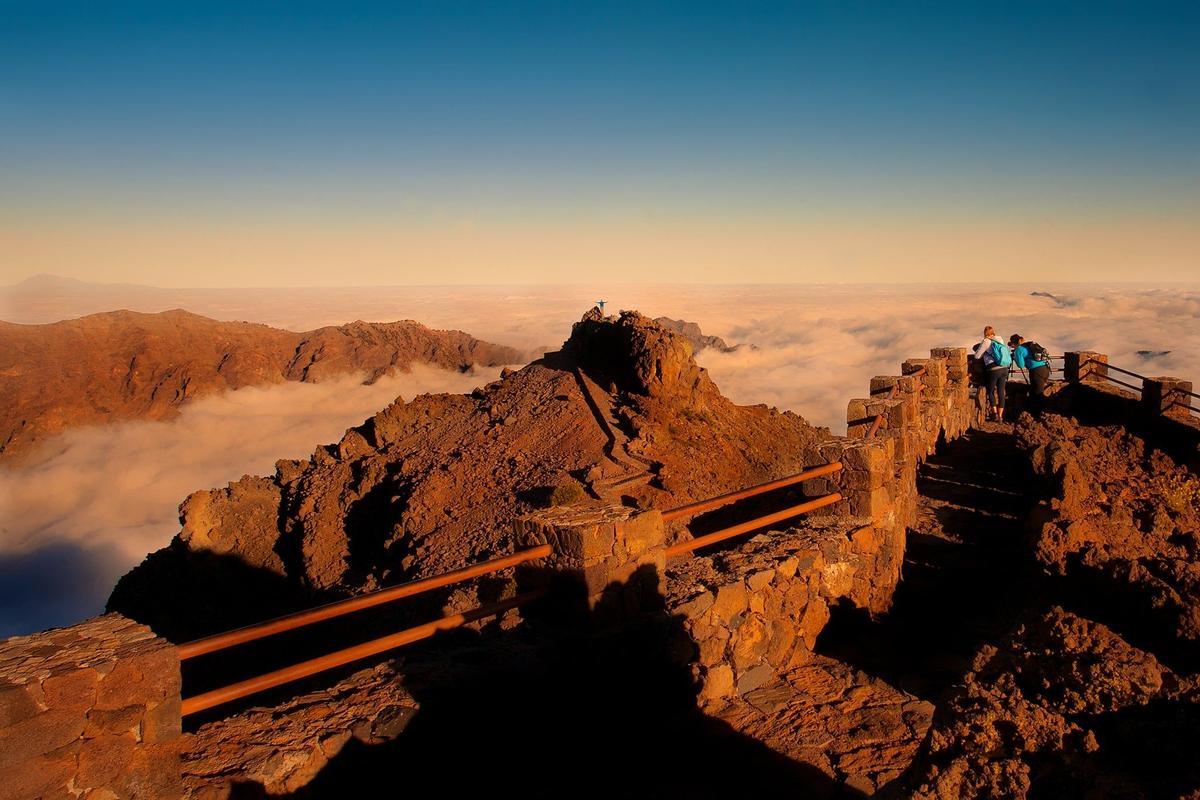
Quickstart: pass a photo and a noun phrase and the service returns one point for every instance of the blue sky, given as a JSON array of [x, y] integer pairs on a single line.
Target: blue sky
[[206, 116]]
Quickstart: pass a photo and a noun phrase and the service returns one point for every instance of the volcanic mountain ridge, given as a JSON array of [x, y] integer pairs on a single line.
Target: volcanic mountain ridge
[[127, 365]]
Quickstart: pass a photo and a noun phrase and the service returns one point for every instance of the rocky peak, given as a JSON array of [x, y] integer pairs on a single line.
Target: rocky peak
[[637, 355]]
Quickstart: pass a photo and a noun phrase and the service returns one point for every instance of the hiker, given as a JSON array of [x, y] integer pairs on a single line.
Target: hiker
[[997, 361], [1033, 357]]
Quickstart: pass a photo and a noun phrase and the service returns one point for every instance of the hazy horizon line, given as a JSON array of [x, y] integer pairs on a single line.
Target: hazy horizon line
[[579, 284]]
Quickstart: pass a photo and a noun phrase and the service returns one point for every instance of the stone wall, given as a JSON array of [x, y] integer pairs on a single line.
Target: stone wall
[[750, 614], [90, 711]]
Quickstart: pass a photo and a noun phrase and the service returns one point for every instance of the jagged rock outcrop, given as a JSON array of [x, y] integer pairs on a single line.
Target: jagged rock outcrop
[[125, 365], [429, 485], [1066, 704], [691, 331], [1124, 515]]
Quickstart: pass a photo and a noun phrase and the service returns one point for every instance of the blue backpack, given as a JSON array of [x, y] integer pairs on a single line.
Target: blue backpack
[[1001, 355]]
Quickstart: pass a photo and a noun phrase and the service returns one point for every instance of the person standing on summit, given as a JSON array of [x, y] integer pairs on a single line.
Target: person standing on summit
[[997, 361], [1033, 357]]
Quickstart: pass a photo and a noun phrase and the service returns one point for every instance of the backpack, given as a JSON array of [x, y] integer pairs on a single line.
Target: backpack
[[1037, 352], [1001, 355]]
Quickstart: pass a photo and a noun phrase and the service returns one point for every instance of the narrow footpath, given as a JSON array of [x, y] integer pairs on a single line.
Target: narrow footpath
[[967, 575]]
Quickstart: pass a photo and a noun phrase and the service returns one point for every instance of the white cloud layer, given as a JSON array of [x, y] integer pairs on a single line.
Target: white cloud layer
[[93, 502]]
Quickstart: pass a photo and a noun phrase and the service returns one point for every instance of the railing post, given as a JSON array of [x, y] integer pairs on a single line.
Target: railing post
[[867, 471], [1084, 366], [607, 558], [1166, 397], [956, 362]]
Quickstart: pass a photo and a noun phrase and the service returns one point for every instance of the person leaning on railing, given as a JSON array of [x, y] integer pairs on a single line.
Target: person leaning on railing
[[1032, 357], [997, 361]]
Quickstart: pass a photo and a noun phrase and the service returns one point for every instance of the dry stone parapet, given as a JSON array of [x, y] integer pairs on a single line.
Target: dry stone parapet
[[90, 710]]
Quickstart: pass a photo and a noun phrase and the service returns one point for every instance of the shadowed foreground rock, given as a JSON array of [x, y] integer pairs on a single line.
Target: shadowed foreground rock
[[1068, 705], [1126, 517]]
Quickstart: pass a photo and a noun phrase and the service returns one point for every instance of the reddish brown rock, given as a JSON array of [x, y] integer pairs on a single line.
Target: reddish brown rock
[[125, 365], [282, 748], [1125, 515], [433, 484], [1067, 704]]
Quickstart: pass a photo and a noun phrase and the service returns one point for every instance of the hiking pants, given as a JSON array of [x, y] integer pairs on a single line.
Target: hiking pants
[[1039, 379], [997, 377]]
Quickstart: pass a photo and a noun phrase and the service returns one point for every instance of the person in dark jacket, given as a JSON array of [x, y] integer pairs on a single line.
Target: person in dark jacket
[[1038, 369]]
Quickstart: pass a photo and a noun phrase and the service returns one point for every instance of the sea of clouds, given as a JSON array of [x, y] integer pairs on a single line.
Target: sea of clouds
[[90, 504]]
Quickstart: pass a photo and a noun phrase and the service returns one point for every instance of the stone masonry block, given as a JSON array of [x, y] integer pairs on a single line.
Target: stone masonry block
[[592, 534], [73, 705], [859, 419], [906, 386], [1084, 365], [956, 361], [867, 456], [596, 546], [934, 377], [882, 384], [900, 414]]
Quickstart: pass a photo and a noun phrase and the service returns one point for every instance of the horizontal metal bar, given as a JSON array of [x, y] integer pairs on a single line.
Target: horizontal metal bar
[[727, 533], [1137, 389], [304, 669], [1118, 369], [300, 619], [725, 499]]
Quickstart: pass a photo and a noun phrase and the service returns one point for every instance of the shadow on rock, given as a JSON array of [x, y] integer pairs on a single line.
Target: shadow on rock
[[561, 706]]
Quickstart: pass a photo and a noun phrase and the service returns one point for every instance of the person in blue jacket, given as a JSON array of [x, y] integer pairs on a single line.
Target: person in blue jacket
[[1031, 357]]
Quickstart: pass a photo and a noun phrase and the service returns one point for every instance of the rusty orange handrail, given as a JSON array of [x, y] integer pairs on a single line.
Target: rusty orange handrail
[[727, 533], [741, 494], [304, 669], [250, 633]]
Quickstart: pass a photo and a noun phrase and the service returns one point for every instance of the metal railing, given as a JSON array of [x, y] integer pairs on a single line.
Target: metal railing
[[300, 619], [750, 525], [741, 494], [1139, 389], [305, 669]]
